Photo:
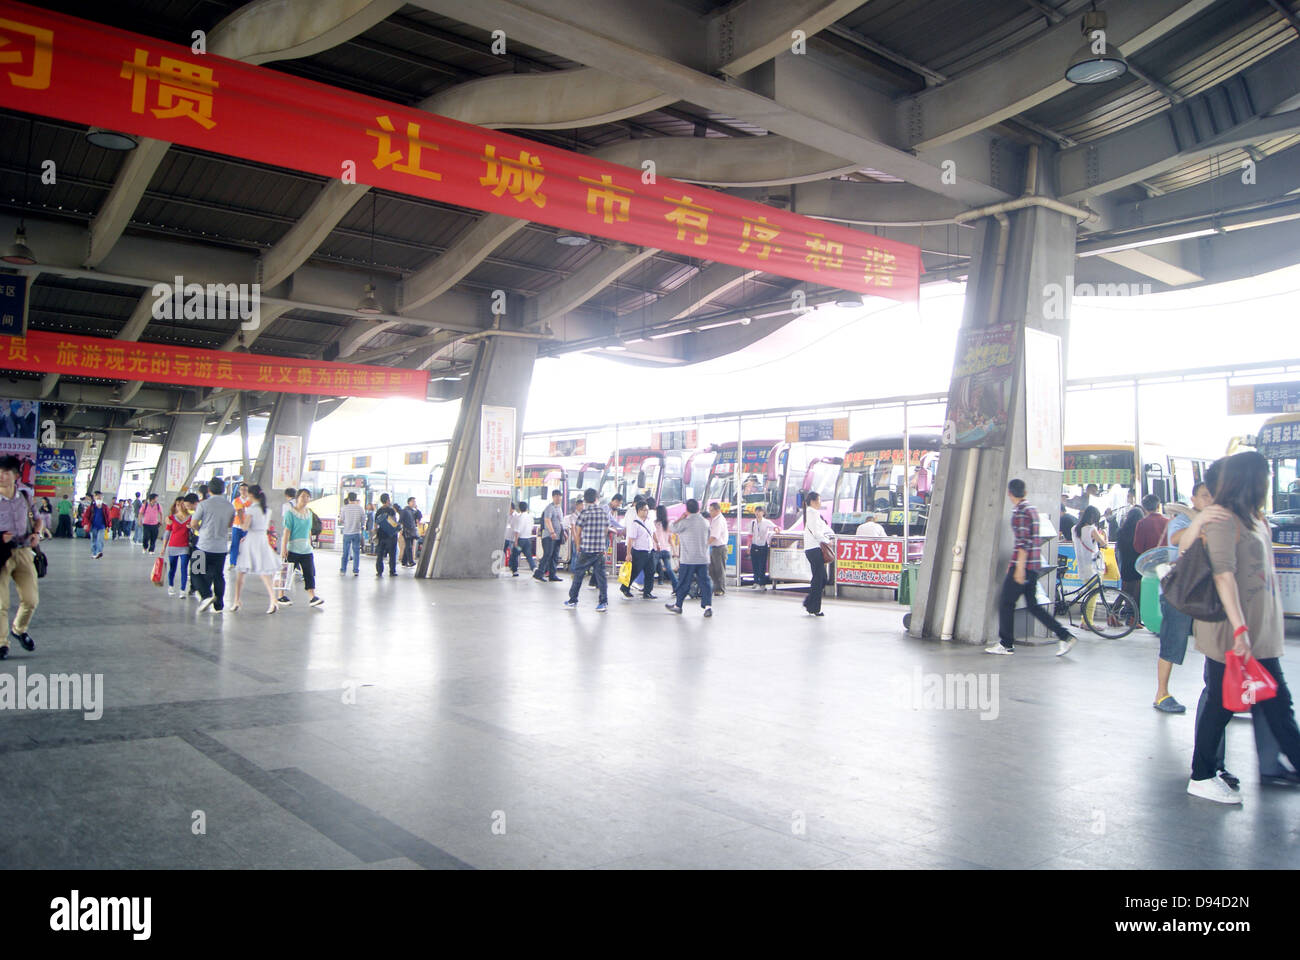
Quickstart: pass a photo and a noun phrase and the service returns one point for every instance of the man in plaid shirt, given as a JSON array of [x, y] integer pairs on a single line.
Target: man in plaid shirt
[[1022, 577], [591, 527]]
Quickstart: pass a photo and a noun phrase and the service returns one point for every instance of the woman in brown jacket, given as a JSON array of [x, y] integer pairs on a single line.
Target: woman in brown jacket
[[1241, 556]]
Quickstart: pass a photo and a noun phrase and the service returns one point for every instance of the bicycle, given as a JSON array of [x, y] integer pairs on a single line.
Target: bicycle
[[1107, 612]]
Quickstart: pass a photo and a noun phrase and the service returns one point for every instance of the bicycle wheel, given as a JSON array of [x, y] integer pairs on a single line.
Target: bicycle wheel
[[1110, 613]]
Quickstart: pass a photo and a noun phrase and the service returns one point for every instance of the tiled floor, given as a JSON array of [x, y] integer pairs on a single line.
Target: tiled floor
[[491, 728]]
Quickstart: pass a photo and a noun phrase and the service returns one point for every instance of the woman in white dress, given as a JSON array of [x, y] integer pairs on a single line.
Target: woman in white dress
[[255, 553]]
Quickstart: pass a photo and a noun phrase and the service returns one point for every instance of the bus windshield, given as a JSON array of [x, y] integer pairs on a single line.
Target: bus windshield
[[755, 487], [637, 476], [536, 486]]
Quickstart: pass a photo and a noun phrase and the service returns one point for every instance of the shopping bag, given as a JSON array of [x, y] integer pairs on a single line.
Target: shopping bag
[[625, 572], [1246, 683], [156, 577], [282, 578]]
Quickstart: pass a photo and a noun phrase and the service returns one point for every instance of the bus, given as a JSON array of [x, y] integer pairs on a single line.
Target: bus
[[646, 472], [695, 474], [1279, 443], [871, 480], [775, 475], [1111, 467], [584, 474], [535, 484]]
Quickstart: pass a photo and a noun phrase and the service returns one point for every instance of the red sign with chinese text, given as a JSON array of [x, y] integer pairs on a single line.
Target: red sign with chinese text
[[59, 66], [868, 562], [43, 352]]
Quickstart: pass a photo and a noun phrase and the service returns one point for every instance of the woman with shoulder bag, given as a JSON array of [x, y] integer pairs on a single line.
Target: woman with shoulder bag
[[663, 541], [255, 553], [1240, 550], [818, 541]]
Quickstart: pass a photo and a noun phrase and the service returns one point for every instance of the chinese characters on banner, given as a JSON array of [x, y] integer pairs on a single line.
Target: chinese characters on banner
[[59, 66], [1043, 440], [979, 399], [867, 562], [42, 352], [178, 468], [496, 454], [286, 461]]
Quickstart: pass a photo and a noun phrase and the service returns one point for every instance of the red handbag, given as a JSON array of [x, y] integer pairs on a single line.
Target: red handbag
[[1246, 683], [156, 578]]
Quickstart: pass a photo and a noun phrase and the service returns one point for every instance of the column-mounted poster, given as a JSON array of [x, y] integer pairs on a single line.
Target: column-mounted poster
[[979, 399], [1043, 440], [286, 461], [496, 455], [178, 468]]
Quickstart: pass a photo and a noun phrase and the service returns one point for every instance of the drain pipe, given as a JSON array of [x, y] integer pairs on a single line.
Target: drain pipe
[[973, 457]]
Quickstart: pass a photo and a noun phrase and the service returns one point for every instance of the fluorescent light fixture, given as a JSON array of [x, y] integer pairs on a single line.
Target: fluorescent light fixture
[[572, 240], [848, 302], [670, 333], [1150, 242], [616, 347], [1282, 218], [1096, 61]]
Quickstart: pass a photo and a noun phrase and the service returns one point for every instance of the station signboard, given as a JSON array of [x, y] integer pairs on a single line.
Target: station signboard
[[1264, 398]]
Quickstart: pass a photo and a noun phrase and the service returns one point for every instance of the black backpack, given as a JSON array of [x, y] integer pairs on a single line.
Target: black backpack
[[316, 525]]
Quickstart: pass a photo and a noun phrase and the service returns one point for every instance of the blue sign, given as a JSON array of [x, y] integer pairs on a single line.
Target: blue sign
[[1288, 534], [13, 305]]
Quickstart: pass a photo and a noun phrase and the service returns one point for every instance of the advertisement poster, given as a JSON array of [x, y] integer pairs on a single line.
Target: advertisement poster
[[1043, 441], [56, 472], [286, 461], [496, 455], [178, 467], [18, 420], [868, 562], [980, 397], [568, 448]]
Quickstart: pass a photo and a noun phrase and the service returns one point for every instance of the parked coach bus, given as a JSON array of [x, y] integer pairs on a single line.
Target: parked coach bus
[[871, 484], [1112, 468], [645, 472], [536, 482], [1279, 442], [775, 475]]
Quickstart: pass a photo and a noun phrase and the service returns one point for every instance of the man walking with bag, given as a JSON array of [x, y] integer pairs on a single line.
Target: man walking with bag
[[212, 519], [591, 531]]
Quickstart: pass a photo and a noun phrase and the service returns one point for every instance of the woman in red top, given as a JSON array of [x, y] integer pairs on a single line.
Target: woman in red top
[[115, 519], [178, 545]]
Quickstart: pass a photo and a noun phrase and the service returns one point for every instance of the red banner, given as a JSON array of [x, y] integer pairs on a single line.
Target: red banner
[[42, 352], [59, 66]]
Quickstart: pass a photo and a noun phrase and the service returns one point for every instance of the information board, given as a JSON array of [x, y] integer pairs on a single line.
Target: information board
[[869, 561]]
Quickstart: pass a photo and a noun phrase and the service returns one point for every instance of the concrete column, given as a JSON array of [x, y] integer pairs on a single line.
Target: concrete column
[[112, 460], [292, 417], [183, 439], [465, 528], [1040, 252]]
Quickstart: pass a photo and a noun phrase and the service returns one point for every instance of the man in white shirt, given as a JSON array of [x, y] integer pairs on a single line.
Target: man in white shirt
[[760, 536], [640, 547], [525, 542], [717, 549], [871, 528]]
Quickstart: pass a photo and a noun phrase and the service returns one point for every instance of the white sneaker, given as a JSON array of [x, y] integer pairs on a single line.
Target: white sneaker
[[171, 592], [205, 603], [1213, 789], [998, 649], [1064, 646]]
